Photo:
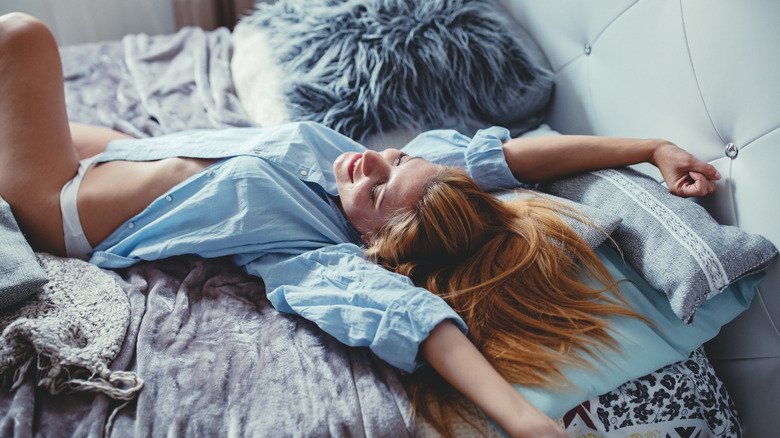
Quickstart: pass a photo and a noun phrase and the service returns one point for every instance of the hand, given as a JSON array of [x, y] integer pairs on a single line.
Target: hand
[[530, 422], [685, 175]]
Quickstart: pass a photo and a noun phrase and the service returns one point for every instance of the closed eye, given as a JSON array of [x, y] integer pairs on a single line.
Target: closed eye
[[397, 162], [372, 193]]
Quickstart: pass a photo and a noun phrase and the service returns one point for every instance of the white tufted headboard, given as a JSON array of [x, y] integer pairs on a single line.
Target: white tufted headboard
[[704, 74]]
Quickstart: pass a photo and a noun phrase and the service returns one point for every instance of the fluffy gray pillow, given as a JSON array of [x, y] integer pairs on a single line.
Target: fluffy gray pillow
[[672, 242], [365, 67], [20, 273]]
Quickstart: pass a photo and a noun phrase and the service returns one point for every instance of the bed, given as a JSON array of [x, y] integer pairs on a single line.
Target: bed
[[200, 350]]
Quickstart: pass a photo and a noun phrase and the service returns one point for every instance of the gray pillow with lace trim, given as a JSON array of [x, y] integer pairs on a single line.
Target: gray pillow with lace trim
[[672, 242], [599, 226]]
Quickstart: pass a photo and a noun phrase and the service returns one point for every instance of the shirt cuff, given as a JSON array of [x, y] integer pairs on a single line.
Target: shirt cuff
[[400, 346], [485, 160]]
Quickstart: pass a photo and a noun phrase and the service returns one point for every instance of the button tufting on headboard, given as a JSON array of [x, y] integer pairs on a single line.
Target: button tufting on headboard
[[732, 150]]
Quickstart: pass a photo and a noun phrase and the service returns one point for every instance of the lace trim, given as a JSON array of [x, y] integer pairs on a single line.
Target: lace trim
[[698, 249]]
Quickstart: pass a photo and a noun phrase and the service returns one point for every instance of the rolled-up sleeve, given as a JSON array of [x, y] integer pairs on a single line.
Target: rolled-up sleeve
[[482, 156], [485, 160], [357, 302]]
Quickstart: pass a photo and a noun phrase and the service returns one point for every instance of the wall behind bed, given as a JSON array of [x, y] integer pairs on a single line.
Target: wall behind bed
[[83, 21]]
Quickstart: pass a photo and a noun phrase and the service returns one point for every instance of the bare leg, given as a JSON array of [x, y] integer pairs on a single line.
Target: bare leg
[[36, 151]]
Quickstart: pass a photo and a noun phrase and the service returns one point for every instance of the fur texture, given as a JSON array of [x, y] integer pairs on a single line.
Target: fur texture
[[370, 66]]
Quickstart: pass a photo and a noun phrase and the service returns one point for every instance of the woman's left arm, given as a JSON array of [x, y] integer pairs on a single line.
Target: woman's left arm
[[459, 362], [538, 159]]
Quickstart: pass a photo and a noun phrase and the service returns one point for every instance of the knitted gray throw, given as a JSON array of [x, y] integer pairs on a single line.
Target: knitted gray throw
[[74, 326]]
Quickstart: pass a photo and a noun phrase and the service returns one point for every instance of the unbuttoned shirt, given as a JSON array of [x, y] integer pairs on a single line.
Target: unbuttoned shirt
[[269, 204]]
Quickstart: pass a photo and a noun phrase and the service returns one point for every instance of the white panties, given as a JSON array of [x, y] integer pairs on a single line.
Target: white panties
[[76, 244]]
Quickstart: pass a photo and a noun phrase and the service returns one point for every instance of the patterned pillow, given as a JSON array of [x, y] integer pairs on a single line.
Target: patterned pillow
[[20, 273], [671, 241], [684, 399]]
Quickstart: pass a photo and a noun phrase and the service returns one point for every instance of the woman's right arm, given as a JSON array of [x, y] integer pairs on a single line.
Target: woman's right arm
[[388, 319], [459, 362]]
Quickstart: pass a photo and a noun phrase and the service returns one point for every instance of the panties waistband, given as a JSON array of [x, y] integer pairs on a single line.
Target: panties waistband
[[76, 244]]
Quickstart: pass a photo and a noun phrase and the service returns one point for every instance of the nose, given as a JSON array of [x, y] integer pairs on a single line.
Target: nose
[[373, 163]]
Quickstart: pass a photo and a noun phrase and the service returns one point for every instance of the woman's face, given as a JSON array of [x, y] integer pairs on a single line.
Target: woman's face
[[373, 186]]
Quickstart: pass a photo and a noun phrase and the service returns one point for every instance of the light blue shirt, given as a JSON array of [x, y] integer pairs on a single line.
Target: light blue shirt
[[269, 205]]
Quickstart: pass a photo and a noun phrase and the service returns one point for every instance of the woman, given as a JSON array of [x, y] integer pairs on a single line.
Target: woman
[[290, 204]]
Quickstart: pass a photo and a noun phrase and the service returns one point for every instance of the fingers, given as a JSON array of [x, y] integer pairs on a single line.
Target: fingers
[[685, 174], [707, 170], [694, 184]]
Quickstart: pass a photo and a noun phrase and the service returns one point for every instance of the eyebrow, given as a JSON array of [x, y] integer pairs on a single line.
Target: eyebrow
[[408, 158]]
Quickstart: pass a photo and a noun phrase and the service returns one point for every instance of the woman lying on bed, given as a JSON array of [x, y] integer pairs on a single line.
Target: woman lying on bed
[[294, 204]]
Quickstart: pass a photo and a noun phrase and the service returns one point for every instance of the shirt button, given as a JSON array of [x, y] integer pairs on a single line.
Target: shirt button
[[131, 225], [169, 198], [304, 173]]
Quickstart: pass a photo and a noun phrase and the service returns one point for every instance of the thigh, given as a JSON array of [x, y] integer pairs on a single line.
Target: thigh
[[36, 151]]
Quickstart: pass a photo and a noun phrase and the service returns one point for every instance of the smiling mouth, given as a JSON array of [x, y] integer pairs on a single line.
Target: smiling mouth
[[351, 166]]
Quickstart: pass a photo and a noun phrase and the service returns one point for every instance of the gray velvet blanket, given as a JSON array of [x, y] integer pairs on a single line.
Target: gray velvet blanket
[[216, 359], [147, 86]]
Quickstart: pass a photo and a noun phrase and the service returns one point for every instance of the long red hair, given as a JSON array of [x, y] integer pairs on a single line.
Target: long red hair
[[515, 272]]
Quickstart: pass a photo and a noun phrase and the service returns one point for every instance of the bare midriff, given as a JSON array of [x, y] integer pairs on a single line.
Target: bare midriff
[[115, 191]]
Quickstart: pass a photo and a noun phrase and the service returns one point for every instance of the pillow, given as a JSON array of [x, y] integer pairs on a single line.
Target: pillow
[[641, 347], [601, 224], [684, 396], [364, 67], [671, 241], [20, 273]]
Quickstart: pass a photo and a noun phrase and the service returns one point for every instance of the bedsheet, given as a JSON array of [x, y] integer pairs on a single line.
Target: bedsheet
[[162, 84], [217, 360]]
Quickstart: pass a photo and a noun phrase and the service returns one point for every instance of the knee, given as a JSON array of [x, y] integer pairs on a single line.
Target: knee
[[19, 23], [23, 32]]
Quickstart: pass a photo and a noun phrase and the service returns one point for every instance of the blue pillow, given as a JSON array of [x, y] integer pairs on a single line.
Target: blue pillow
[[643, 348]]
